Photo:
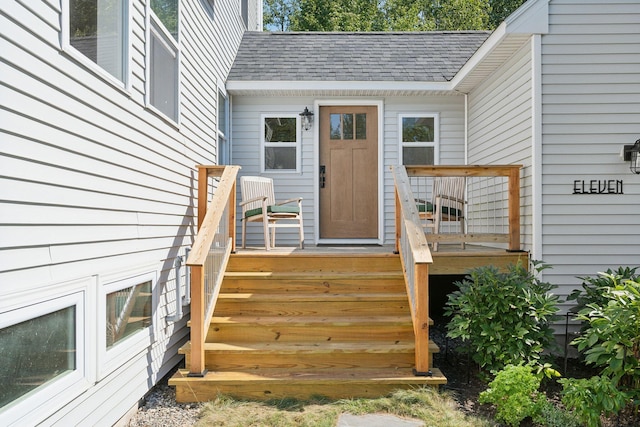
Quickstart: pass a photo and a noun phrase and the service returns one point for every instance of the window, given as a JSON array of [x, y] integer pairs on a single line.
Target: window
[[44, 357], [281, 147], [127, 319], [97, 29], [419, 139], [35, 352], [163, 57], [224, 150], [348, 126], [128, 311]]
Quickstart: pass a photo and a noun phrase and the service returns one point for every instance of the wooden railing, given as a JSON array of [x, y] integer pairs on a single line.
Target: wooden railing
[[215, 241], [492, 202], [411, 244]]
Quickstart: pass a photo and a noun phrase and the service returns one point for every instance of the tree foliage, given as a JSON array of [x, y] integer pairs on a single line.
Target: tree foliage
[[386, 15]]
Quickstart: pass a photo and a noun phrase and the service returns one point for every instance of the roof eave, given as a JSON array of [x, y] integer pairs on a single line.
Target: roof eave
[[238, 87], [531, 18]]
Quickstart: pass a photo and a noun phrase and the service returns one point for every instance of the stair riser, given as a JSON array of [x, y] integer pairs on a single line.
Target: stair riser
[[201, 391], [241, 362], [310, 333], [309, 308], [317, 286], [302, 263]]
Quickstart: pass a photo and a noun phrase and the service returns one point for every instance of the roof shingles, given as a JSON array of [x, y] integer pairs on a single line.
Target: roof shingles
[[311, 56]]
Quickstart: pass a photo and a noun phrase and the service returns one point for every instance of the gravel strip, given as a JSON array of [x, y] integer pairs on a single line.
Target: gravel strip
[[161, 410]]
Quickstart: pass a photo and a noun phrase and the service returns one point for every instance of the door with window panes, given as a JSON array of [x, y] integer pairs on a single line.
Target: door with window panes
[[348, 172]]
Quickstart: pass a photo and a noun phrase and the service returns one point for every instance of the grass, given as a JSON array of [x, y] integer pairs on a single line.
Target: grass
[[427, 404]]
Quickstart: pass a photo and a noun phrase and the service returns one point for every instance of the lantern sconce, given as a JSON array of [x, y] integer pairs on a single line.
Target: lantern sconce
[[631, 154], [307, 117]]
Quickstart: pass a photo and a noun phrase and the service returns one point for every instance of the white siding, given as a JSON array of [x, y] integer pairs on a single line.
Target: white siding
[[500, 126], [246, 150], [92, 183], [591, 108]]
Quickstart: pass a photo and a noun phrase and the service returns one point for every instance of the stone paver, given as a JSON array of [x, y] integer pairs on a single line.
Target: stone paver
[[376, 420]]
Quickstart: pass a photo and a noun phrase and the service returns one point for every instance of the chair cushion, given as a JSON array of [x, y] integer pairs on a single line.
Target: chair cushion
[[428, 207], [276, 209]]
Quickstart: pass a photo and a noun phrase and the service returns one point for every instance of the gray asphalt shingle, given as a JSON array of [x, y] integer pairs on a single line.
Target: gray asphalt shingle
[[340, 56]]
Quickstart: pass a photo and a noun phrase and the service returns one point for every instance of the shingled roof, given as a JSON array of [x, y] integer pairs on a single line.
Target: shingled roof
[[396, 57]]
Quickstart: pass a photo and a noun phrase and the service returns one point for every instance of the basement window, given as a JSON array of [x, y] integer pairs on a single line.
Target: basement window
[[127, 320]]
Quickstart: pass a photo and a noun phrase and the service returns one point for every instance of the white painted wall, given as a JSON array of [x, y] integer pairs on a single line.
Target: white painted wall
[[93, 184], [591, 108], [247, 111]]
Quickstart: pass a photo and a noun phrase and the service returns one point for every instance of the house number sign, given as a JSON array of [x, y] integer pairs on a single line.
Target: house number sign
[[597, 186]]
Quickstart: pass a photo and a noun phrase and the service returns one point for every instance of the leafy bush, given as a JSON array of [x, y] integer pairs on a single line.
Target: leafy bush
[[611, 339], [514, 392], [505, 317], [594, 287], [590, 398]]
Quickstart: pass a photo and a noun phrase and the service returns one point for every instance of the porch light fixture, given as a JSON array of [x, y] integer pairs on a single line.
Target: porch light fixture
[[307, 117], [632, 155]]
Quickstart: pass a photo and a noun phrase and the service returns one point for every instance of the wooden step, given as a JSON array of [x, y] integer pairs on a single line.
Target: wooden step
[[308, 304], [310, 282], [331, 355], [321, 263], [282, 383], [392, 329]]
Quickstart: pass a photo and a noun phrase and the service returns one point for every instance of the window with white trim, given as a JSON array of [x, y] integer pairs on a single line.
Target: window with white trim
[[280, 138], [224, 150], [419, 139], [43, 357], [98, 30], [127, 324], [164, 57]]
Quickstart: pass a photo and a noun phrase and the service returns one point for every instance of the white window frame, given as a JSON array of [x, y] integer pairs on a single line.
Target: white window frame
[[78, 56], [264, 144], [436, 136], [224, 153], [155, 25], [40, 403], [121, 352]]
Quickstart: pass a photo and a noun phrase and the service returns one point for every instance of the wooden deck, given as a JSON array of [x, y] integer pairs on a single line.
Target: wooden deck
[[450, 259]]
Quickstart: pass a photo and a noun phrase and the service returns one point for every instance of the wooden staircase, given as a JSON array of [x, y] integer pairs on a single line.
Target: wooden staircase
[[303, 324]]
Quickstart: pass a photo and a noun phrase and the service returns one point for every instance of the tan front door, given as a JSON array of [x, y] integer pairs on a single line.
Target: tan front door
[[348, 172]]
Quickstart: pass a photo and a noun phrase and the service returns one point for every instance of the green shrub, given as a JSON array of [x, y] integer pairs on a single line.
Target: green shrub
[[504, 317], [591, 398], [594, 287], [611, 339], [514, 392], [552, 416]]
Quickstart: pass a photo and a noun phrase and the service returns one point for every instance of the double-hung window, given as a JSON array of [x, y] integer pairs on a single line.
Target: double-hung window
[[281, 142], [97, 29], [419, 139], [164, 58]]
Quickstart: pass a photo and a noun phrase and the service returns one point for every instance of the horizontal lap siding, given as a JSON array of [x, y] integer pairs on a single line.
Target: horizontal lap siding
[[591, 108], [500, 127], [94, 183]]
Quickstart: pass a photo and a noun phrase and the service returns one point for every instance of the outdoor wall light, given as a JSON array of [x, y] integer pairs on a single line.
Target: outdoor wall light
[[632, 155], [307, 117]]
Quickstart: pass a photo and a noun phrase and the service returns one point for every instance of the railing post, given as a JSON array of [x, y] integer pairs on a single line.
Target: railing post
[[398, 218], [421, 328], [203, 190], [514, 209], [197, 365], [232, 217]]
